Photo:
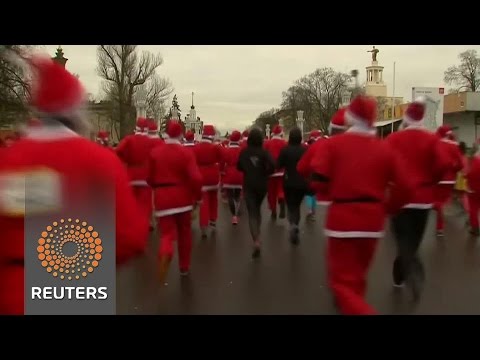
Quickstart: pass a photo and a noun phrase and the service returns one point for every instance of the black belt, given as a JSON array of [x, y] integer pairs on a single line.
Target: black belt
[[164, 185], [319, 177], [357, 200]]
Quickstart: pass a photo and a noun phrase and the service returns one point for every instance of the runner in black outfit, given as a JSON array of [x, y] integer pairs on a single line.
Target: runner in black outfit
[[257, 165]]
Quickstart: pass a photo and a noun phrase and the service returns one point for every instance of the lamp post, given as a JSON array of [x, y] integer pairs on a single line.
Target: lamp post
[[141, 103], [267, 131], [300, 121]]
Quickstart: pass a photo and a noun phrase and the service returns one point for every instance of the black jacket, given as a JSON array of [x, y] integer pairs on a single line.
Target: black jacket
[[257, 165], [288, 159]]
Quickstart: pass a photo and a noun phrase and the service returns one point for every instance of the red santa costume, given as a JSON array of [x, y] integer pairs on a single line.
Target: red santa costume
[[134, 150], [103, 138], [232, 179], [243, 141], [444, 188], [275, 183], [153, 133], [426, 162], [67, 168], [356, 217], [208, 156], [189, 139], [176, 180]]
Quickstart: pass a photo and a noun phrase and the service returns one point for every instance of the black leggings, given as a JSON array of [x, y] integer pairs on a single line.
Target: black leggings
[[293, 198], [408, 229], [253, 201], [234, 200]]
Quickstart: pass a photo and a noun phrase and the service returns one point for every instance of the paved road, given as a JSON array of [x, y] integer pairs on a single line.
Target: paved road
[[291, 280]]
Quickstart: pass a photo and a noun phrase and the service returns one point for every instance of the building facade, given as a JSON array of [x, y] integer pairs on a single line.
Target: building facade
[[461, 111]]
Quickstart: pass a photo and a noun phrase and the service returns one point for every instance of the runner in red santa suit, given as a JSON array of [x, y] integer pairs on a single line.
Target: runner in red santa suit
[[175, 177], [243, 141], [444, 189], [426, 163], [103, 138], [134, 150], [153, 133], [189, 140], [233, 179], [68, 169], [275, 193], [356, 217], [337, 126], [310, 198], [208, 157]]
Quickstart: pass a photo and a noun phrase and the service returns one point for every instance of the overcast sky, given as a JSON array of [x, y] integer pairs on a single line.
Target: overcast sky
[[233, 84]]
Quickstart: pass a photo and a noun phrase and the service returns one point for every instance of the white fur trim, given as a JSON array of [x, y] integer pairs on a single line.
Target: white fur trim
[[189, 144], [324, 203], [173, 141], [277, 174], [49, 133], [161, 213], [210, 187], [278, 136], [138, 183], [245, 138], [448, 141], [418, 206], [447, 182], [354, 234], [409, 121], [230, 186], [354, 120], [153, 136], [336, 127], [207, 140], [362, 130]]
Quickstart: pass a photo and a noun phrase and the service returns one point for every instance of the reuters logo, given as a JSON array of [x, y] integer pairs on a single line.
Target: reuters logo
[[69, 249]]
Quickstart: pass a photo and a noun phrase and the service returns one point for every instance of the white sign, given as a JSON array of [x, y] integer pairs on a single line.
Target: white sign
[[434, 98]]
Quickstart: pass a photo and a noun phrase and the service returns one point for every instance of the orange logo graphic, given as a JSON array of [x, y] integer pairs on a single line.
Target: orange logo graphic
[[86, 249]]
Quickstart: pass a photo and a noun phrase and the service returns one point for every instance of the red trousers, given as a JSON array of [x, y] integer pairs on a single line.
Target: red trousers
[[144, 197], [474, 207], [177, 227], [275, 192], [443, 193], [348, 262], [208, 208]]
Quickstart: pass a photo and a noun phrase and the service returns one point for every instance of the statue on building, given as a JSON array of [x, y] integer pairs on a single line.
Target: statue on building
[[374, 53]]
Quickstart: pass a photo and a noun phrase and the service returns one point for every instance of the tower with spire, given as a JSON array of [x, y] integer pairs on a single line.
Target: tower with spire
[[59, 58]]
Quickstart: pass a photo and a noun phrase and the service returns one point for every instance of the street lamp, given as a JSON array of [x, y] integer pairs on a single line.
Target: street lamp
[[300, 120], [267, 131]]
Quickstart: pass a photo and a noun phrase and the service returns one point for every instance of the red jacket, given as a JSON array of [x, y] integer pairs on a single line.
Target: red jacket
[[209, 157], [79, 175], [357, 169], [455, 161], [175, 178], [426, 162], [274, 146], [134, 151], [473, 175], [232, 178], [304, 168], [156, 141]]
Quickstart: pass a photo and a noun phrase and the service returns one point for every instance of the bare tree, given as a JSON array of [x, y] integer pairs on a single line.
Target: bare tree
[[467, 74], [157, 90], [123, 70], [14, 84], [318, 94]]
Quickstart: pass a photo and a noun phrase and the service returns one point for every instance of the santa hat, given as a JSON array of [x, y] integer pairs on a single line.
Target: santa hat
[[338, 121], [362, 112], [102, 135], [315, 134], [141, 125], [277, 131], [235, 136], [152, 126], [245, 134], [444, 131], [189, 136], [56, 93], [451, 136], [174, 131], [208, 132], [415, 113]]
